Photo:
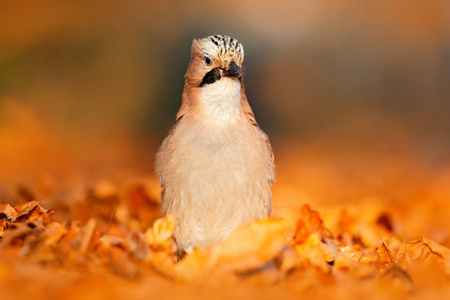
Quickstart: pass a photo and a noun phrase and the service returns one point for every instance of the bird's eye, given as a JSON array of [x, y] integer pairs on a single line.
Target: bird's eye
[[208, 61]]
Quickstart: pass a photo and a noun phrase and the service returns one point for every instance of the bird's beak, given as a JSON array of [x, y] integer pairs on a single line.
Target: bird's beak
[[233, 71]]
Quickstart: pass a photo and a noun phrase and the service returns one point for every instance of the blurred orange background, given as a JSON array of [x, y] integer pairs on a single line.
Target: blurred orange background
[[353, 94]]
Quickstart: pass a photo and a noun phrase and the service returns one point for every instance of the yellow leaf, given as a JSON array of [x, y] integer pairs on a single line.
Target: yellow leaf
[[159, 236]]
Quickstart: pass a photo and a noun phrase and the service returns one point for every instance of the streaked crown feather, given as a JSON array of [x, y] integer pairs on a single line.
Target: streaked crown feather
[[221, 46]]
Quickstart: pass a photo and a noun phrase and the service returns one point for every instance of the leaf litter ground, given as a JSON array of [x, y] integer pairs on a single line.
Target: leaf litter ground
[[341, 229]]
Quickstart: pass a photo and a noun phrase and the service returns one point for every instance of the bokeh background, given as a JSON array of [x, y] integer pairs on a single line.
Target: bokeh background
[[355, 95], [353, 69]]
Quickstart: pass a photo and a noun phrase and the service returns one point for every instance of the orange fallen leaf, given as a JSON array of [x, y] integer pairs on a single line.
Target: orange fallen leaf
[[386, 257], [309, 223], [423, 250], [159, 236], [30, 210], [251, 246], [312, 252], [7, 212], [194, 266]]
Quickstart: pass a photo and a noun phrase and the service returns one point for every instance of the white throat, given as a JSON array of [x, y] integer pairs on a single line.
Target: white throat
[[221, 100]]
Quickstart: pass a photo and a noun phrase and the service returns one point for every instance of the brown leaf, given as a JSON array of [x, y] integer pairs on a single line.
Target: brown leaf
[[7, 212], [31, 210]]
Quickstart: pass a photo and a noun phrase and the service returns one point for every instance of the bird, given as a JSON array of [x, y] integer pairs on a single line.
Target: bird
[[216, 165]]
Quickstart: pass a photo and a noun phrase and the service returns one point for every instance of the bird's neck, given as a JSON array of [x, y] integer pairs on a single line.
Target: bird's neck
[[220, 102]]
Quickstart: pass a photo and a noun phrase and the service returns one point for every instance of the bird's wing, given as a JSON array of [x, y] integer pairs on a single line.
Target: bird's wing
[[163, 147], [265, 138], [251, 116]]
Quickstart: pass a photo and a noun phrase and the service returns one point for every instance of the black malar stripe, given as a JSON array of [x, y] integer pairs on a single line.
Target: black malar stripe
[[210, 77]]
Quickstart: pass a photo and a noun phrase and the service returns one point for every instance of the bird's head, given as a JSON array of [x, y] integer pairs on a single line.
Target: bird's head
[[213, 58]]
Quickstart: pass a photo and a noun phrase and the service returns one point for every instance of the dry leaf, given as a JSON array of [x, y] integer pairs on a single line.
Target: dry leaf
[[251, 246], [194, 266], [424, 250], [310, 222], [312, 252], [7, 212], [159, 237]]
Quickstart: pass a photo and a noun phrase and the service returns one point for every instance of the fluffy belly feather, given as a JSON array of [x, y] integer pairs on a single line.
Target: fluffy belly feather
[[214, 185]]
